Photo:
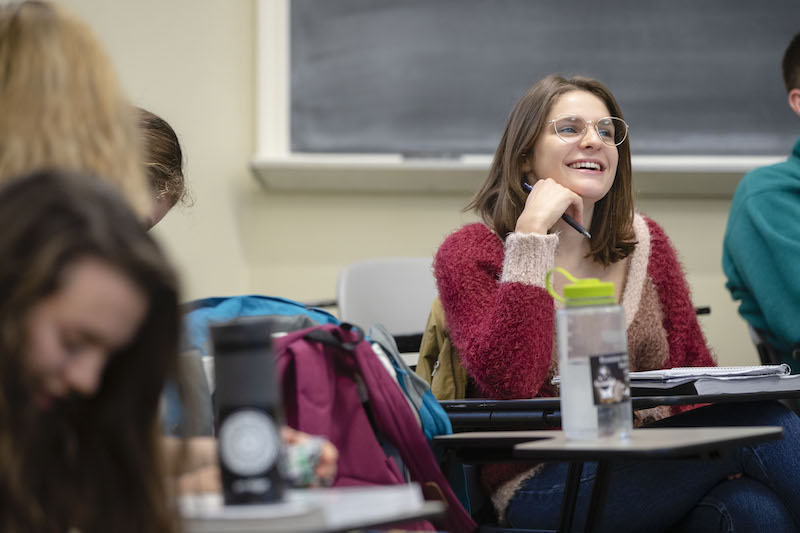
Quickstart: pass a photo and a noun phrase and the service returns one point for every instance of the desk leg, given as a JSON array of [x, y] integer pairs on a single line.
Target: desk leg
[[599, 491], [570, 497]]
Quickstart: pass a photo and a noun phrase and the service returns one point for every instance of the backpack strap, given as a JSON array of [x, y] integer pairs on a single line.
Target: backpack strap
[[333, 337]]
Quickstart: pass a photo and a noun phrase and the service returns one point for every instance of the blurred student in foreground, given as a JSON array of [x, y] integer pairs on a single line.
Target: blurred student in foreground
[[762, 240], [61, 103], [163, 159], [89, 326]]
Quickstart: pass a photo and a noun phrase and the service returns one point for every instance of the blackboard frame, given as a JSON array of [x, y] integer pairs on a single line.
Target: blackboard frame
[[277, 168], [311, 131]]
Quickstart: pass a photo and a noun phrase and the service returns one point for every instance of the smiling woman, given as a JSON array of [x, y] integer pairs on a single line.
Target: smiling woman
[[568, 139], [89, 327]]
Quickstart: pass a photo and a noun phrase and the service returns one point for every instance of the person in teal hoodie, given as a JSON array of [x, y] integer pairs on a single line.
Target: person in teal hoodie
[[761, 249]]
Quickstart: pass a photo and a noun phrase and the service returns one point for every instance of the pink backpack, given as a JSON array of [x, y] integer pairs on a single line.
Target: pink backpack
[[325, 372]]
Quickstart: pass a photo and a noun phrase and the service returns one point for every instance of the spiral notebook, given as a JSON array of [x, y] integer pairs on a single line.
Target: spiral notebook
[[694, 380], [696, 372], [714, 380]]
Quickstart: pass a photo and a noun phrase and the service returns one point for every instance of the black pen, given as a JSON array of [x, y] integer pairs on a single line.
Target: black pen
[[565, 217]]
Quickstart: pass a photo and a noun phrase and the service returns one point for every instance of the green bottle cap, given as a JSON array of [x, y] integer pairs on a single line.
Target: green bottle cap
[[585, 291]]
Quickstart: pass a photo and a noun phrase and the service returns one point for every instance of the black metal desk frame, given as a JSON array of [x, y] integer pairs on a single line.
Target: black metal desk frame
[[544, 413], [652, 444]]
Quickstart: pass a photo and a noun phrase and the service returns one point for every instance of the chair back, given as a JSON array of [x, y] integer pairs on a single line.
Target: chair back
[[766, 354], [393, 291]]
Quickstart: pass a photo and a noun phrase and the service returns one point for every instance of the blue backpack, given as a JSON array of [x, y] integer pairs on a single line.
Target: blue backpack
[[433, 419], [199, 314]]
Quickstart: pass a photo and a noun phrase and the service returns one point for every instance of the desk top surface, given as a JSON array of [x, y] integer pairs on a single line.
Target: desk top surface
[[642, 443], [311, 511]]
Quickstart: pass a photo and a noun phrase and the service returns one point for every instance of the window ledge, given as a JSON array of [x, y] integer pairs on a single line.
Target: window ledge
[[654, 176]]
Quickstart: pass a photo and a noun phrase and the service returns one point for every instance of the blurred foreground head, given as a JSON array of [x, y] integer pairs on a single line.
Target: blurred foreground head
[[89, 326], [60, 103]]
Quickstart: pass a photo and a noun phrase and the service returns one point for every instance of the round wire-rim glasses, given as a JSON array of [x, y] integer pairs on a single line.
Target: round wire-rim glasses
[[570, 128]]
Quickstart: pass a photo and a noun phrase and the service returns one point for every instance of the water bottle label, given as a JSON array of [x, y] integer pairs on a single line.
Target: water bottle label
[[610, 381]]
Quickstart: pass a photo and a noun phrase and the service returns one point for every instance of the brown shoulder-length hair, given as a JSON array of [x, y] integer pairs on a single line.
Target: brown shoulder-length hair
[[501, 199], [163, 158], [92, 463], [61, 103]]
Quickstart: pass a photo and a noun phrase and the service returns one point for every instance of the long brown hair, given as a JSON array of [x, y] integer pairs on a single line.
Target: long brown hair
[[501, 199], [61, 103], [93, 463]]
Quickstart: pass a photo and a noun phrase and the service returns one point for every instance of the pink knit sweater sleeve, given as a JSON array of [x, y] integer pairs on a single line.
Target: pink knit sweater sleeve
[[687, 344], [500, 317]]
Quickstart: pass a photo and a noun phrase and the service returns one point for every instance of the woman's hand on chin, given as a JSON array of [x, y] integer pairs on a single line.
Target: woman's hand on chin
[[546, 202]]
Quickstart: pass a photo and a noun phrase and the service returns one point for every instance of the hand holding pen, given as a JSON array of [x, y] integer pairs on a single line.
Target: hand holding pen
[[565, 217]]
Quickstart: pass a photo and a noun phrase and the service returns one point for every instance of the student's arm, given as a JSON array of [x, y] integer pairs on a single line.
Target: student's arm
[[184, 455], [501, 318], [762, 263]]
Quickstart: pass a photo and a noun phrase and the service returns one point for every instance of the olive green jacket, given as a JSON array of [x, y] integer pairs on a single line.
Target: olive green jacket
[[439, 363]]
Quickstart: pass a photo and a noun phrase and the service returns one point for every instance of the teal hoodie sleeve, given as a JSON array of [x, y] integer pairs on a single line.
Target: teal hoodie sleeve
[[761, 258]]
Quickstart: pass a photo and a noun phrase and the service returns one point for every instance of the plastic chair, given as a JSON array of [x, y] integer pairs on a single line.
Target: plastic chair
[[769, 356], [766, 354], [394, 291]]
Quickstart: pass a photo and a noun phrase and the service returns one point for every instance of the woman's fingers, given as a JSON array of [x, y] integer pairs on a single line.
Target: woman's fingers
[[327, 466], [575, 209], [292, 436], [544, 206]]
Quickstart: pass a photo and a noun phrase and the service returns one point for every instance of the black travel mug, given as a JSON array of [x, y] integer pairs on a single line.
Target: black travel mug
[[249, 411]]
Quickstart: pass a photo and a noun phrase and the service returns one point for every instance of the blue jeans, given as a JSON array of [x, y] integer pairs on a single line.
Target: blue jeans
[[685, 495]]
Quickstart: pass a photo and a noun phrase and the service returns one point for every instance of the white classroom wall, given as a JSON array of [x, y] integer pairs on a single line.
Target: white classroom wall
[[194, 63]]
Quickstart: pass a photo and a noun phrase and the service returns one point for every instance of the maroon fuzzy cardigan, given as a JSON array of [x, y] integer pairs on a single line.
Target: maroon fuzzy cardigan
[[501, 318]]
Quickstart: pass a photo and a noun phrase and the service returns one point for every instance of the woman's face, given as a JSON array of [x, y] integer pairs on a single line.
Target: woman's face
[[72, 333], [588, 166]]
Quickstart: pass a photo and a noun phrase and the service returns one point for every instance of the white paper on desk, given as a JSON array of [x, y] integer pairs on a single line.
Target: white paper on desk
[[207, 513], [693, 372], [303, 510], [350, 505]]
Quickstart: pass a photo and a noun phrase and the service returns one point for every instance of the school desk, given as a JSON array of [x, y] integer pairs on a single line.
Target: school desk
[[647, 443]]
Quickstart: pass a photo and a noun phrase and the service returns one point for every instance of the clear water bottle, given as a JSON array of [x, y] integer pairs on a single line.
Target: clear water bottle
[[593, 360]]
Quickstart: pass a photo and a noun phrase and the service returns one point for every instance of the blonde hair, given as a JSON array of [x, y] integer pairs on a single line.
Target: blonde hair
[[62, 107]]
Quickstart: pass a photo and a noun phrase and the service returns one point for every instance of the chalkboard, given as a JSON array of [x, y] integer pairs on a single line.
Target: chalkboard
[[693, 77]]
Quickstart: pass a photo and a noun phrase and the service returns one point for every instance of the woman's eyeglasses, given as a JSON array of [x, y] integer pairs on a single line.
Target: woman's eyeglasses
[[571, 128]]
